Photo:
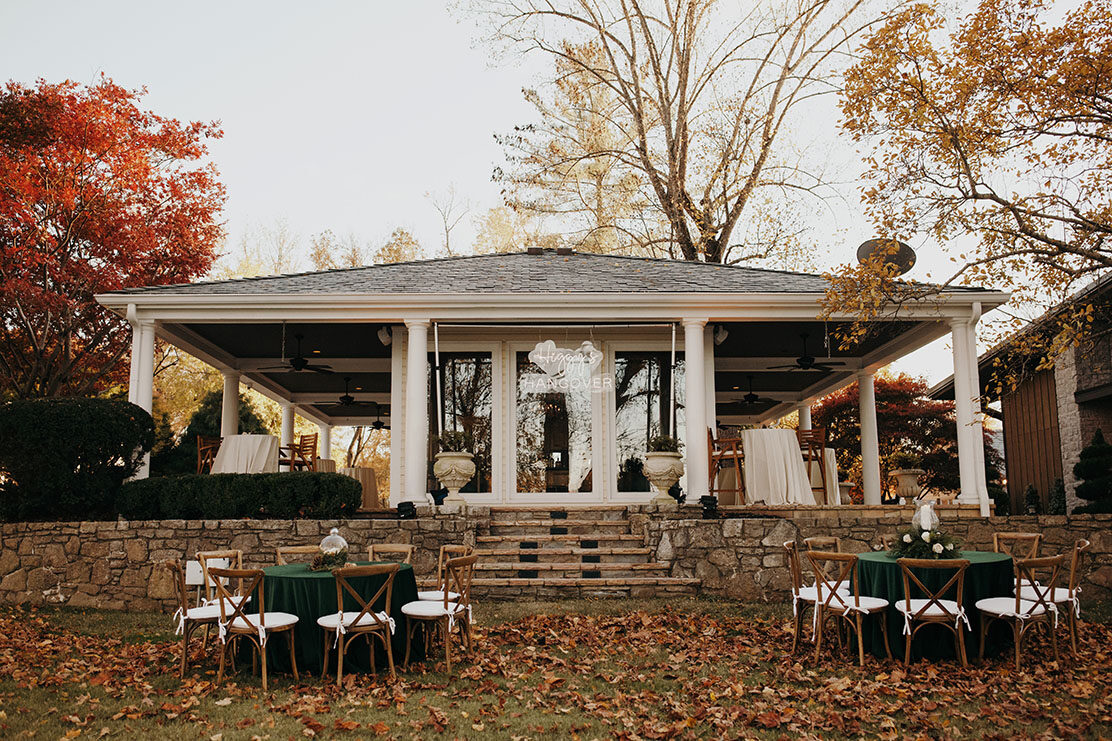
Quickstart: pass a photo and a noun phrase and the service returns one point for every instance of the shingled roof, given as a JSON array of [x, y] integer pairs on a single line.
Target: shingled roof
[[519, 272]]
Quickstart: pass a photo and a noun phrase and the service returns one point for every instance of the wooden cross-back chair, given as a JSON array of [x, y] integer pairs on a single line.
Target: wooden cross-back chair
[[447, 552], [852, 607], [934, 608], [1018, 545], [400, 552], [721, 451], [301, 455], [228, 558], [812, 444], [446, 614], [188, 618], [368, 622], [1065, 598], [281, 552], [823, 543], [1041, 577], [207, 448], [236, 623], [803, 596]]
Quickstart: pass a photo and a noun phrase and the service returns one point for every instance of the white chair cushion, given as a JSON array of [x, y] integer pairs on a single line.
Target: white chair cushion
[[1006, 606], [208, 612], [810, 594], [933, 611], [273, 620], [426, 609], [329, 622], [437, 596], [1059, 595], [867, 604], [230, 603]]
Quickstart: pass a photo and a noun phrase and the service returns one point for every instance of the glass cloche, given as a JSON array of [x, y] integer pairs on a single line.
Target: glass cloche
[[333, 542]]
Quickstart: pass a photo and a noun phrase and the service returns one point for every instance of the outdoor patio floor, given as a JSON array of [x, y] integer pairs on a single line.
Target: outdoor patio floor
[[590, 669]]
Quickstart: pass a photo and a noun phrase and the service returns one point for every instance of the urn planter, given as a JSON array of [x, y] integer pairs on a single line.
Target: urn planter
[[663, 470], [907, 482], [453, 470]]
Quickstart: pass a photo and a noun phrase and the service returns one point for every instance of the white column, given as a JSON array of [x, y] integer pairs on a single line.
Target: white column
[[963, 412], [695, 445], [416, 411], [978, 421], [870, 441], [287, 428], [804, 416], [324, 447], [229, 408], [144, 381]]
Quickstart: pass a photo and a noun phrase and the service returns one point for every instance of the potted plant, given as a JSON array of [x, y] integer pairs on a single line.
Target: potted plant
[[904, 468], [663, 467], [455, 464]]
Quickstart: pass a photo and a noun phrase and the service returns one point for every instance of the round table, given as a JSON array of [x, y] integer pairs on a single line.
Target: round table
[[293, 588], [988, 575]]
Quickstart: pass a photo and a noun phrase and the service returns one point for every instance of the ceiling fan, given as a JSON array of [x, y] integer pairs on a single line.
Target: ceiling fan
[[347, 399], [298, 362], [378, 424], [752, 398], [807, 361]]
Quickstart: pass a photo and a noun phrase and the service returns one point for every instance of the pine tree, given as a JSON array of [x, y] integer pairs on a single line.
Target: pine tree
[[1095, 472], [1057, 498]]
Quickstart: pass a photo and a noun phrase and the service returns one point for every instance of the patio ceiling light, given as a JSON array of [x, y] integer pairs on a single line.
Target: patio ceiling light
[[720, 334], [384, 336]]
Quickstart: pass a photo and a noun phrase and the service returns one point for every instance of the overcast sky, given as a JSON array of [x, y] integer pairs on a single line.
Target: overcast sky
[[337, 115]]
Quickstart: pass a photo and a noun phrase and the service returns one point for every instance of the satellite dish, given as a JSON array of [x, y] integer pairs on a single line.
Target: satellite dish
[[895, 253]]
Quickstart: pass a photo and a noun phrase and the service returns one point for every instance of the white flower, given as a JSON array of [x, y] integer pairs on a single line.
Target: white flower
[[907, 538], [937, 548], [926, 536], [949, 546]]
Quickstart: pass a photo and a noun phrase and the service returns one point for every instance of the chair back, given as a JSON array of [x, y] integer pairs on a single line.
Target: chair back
[[844, 566], [812, 442], [888, 542], [1018, 545], [231, 609], [795, 569], [458, 573], [177, 575], [722, 450], [366, 607], [823, 543], [224, 559], [308, 450], [1041, 575], [207, 447], [933, 596], [281, 552], [1079, 549], [448, 552], [400, 552]]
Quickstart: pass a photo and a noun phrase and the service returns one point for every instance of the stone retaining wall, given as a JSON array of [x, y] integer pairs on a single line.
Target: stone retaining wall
[[112, 564]]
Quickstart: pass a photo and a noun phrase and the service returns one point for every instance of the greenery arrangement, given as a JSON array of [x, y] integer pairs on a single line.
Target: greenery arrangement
[[916, 543], [328, 561], [65, 458], [1095, 472], [664, 444], [455, 441], [282, 496], [904, 460]]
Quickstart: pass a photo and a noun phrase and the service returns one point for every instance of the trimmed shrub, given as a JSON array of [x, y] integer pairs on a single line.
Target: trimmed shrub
[[279, 496], [65, 458], [1095, 471], [1057, 504], [1032, 502]]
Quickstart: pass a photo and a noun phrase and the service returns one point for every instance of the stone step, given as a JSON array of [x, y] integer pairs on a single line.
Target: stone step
[[557, 527], [577, 587], [547, 540], [551, 554], [511, 570], [538, 512]]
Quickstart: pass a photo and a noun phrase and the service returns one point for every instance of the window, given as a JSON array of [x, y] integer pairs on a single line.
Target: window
[[642, 402], [467, 393]]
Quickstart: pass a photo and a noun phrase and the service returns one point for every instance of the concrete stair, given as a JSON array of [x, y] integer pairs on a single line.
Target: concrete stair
[[561, 553]]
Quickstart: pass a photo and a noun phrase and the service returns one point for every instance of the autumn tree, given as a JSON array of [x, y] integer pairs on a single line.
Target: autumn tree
[[96, 194], [1000, 132], [683, 102], [400, 247]]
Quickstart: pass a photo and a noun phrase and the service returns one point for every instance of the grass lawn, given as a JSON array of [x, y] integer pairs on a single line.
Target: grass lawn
[[579, 669]]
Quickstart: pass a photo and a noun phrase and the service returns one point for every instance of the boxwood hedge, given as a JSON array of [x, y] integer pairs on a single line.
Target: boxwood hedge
[[280, 496]]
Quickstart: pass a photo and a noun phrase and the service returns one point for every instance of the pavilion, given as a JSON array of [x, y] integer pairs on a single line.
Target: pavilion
[[663, 334]]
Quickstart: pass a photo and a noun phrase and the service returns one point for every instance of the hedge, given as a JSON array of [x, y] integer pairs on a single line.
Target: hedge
[[279, 496], [65, 458]]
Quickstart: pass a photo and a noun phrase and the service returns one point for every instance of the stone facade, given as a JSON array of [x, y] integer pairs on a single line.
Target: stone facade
[[1079, 370], [112, 564]]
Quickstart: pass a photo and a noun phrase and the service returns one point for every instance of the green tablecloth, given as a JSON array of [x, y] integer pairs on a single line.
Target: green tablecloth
[[988, 575], [293, 588]]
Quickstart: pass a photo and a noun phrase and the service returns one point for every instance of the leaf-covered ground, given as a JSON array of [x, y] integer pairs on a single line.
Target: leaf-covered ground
[[627, 669]]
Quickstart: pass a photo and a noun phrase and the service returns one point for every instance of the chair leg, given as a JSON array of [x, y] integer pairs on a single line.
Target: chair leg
[[1017, 632], [408, 640], [818, 631], [389, 655], [220, 671], [324, 661], [262, 660], [1053, 638], [959, 635], [907, 649], [447, 644], [797, 623], [884, 634], [293, 655], [341, 649], [984, 634], [185, 649], [860, 641], [1071, 623]]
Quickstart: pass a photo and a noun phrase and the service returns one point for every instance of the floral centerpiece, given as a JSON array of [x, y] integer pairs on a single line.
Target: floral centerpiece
[[333, 552], [923, 539]]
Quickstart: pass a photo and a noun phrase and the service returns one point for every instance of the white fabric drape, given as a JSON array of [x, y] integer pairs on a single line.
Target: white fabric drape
[[774, 470], [247, 454]]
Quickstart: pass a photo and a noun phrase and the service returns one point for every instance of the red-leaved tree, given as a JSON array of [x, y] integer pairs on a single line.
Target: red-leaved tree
[[96, 194]]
